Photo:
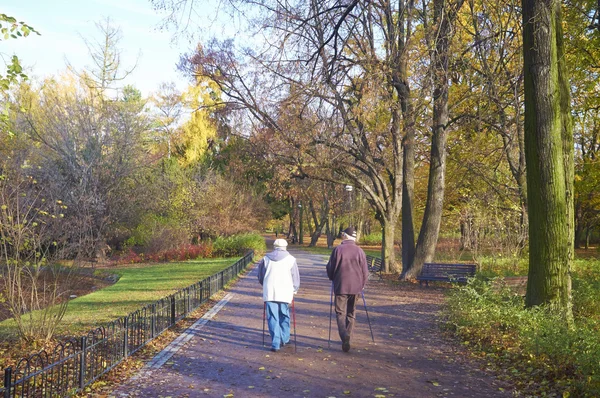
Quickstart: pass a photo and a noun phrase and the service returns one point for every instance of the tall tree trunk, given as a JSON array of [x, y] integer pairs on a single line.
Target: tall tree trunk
[[408, 193], [443, 18], [467, 241], [408, 167], [587, 238], [388, 228], [292, 231], [319, 224], [549, 154], [359, 228], [301, 223], [393, 200], [399, 26], [331, 231]]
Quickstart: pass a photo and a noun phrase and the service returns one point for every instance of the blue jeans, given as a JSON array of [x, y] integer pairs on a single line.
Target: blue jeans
[[278, 318]]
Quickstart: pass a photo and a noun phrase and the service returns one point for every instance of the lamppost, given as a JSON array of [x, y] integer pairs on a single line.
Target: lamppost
[[349, 189], [300, 234]]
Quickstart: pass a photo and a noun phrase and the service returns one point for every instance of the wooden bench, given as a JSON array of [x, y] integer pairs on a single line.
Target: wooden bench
[[440, 272], [375, 266]]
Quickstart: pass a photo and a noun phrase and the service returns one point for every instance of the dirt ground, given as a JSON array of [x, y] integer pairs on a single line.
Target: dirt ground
[[79, 285], [409, 357]]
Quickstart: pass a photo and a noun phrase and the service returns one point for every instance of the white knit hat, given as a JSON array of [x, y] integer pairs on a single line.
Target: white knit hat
[[280, 243]]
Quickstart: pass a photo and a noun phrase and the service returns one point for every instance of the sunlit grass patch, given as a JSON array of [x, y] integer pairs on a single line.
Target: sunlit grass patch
[[137, 286]]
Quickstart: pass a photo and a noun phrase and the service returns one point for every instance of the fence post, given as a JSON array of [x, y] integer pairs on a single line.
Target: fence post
[[7, 381], [188, 300], [172, 310], [82, 362], [153, 320], [126, 337]]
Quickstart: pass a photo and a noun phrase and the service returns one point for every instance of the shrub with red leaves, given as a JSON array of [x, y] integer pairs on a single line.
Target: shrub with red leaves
[[181, 253]]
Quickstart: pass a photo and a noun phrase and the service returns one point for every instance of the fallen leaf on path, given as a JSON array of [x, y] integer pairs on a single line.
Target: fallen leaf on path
[[261, 368], [347, 392]]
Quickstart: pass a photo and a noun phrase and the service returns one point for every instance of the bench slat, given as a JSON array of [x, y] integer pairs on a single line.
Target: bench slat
[[446, 272]]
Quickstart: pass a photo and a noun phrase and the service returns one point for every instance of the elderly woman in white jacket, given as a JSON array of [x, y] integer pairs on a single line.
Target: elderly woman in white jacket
[[278, 274]]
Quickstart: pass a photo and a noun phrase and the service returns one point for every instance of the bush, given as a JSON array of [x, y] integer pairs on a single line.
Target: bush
[[128, 257], [373, 239], [541, 354], [238, 245], [232, 246], [181, 253], [157, 234]]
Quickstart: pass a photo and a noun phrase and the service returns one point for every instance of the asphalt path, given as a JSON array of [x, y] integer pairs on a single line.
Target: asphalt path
[[223, 355]]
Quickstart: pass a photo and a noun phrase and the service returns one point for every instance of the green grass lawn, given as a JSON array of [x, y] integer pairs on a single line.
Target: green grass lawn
[[138, 285]]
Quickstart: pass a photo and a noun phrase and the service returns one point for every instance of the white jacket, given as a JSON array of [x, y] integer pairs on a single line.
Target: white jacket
[[278, 284]]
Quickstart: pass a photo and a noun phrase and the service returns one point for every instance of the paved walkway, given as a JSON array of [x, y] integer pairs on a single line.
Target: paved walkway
[[223, 355]]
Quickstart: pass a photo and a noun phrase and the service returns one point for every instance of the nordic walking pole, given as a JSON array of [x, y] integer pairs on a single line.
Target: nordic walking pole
[[330, 310], [264, 317], [368, 320], [295, 335]]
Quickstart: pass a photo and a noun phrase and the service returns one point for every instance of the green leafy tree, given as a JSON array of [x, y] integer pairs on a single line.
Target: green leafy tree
[[10, 28], [582, 54]]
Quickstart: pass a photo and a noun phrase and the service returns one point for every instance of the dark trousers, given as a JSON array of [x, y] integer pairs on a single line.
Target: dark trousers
[[345, 306]]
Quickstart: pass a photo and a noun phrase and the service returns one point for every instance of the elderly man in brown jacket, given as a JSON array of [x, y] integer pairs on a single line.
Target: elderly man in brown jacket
[[347, 269]]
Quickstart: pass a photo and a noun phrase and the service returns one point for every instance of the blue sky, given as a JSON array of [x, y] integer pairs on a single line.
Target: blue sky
[[62, 23]]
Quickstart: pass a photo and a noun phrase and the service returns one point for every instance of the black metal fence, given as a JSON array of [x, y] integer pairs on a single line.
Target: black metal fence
[[76, 363]]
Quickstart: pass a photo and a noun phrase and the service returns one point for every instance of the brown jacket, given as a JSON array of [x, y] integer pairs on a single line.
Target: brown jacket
[[347, 268]]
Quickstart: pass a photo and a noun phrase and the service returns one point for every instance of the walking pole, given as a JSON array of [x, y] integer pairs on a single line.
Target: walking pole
[[295, 335], [368, 320], [264, 317], [330, 310]]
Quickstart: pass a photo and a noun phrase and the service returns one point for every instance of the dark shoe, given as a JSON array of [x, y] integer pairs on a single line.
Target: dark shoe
[[274, 349], [346, 344]]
